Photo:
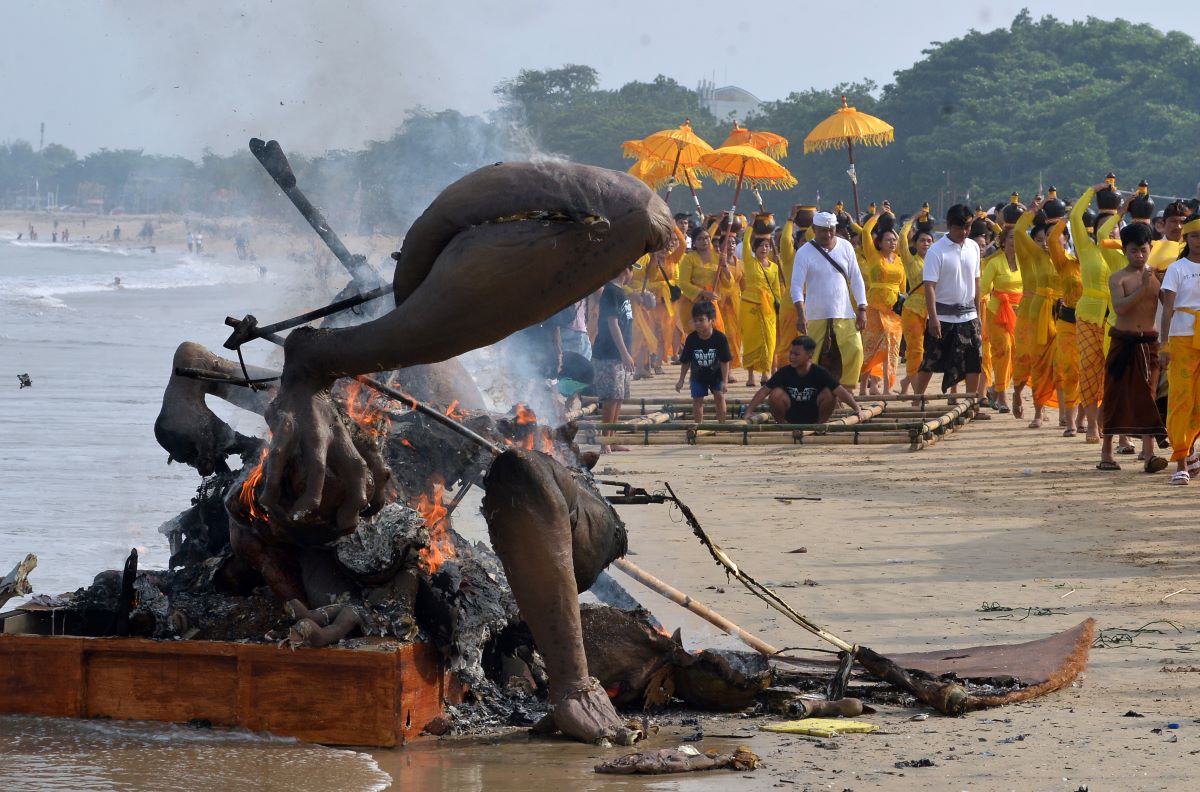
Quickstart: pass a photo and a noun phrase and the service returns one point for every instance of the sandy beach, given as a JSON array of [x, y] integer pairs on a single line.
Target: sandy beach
[[905, 549]]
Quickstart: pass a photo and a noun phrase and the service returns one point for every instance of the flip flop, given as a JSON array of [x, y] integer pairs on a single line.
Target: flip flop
[[1069, 433], [1155, 464], [1093, 441], [1107, 464], [1002, 409], [1126, 449]]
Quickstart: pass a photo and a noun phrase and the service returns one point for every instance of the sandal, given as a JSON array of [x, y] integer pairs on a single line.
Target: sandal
[[1002, 409], [1156, 463], [1107, 464], [1180, 477], [1193, 464], [1069, 432], [1126, 449]]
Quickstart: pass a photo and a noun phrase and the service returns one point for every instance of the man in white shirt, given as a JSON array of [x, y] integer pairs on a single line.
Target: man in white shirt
[[1179, 354], [829, 294], [953, 337]]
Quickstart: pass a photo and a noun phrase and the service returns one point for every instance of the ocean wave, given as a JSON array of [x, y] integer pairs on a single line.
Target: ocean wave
[[185, 272]]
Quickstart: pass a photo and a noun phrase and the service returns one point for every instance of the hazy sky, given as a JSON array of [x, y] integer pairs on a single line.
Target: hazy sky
[[174, 77]]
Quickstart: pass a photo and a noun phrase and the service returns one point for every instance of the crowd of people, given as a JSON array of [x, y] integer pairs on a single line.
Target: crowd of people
[[1089, 309]]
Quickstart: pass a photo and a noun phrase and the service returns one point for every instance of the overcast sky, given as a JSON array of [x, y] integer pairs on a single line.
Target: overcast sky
[[173, 77]]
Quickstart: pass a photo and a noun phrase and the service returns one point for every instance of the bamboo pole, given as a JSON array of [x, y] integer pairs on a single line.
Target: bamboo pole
[[701, 610]]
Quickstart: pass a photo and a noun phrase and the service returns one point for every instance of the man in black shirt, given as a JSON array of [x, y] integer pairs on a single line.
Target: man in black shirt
[[802, 392]]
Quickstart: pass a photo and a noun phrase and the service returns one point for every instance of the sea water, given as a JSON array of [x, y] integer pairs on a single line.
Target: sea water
[[82, 481]]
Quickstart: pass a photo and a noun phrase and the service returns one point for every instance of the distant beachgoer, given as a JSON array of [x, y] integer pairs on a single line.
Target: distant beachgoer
[[117, 234], [66, 234], [190, 241], [199, 243], [116, 284], [53, 236], [21, 234]]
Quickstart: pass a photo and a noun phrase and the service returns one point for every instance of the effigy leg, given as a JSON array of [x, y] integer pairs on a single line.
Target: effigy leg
[[530, 522]]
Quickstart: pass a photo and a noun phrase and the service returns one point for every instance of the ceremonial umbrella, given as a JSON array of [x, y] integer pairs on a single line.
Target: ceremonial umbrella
[[767, 142], [845, 128], [656, 173], [746, 164], [678, 147]]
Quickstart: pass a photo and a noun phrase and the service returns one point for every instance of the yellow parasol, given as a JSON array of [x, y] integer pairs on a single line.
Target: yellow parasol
[[678, 147], [767, 142], [746, 164], [656, 174], [845, 128]]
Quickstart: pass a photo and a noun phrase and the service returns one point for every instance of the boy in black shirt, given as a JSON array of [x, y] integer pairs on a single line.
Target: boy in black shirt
[[706, 354], [610, 354], [802, 392]]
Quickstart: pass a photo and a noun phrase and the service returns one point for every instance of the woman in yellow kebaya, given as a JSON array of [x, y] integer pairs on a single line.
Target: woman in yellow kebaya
[[914, 315], [762, 294], [702, 277], [885, 282]]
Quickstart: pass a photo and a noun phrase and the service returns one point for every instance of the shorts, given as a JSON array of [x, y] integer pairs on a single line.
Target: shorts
[[612, 380], [957, 353], [702, 389]]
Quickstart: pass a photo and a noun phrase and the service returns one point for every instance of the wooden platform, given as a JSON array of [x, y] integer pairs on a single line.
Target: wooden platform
[[381, 695]]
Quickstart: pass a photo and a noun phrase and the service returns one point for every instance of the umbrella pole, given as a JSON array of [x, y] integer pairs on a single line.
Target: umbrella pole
[[853, 181], [737, 194], [671, 182], [695, 198]]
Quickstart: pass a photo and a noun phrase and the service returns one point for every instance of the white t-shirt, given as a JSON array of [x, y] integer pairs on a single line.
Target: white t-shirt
[[822, 288], [953, 270], [1183, 278]]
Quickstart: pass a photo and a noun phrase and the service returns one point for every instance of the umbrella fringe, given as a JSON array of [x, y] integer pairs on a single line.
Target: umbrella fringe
[[877, 139]]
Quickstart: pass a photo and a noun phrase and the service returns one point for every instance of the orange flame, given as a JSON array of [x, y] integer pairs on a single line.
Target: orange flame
[[525, 415], [247, 497], [437, 519], [368, 409]]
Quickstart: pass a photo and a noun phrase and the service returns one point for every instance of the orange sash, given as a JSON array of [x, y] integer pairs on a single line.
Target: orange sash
[[1006, 317]]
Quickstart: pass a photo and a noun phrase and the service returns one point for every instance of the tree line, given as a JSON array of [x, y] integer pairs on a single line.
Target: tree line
[[1039, 102]]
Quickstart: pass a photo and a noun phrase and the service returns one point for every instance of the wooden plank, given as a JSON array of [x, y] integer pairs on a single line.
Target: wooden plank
[[334, 696], [41, 676], [136, 684], [381, 696], [424, 689]]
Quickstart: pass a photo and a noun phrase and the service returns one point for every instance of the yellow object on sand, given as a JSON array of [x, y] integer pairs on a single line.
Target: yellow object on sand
[[821, 727]]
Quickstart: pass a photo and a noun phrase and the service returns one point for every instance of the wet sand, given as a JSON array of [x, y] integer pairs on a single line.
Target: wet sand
[[905, 548]]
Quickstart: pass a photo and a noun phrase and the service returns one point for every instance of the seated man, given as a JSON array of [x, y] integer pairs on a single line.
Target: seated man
[[802, 392]]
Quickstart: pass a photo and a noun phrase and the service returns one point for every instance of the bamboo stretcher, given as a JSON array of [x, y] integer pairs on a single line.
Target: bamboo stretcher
[[668, 420]]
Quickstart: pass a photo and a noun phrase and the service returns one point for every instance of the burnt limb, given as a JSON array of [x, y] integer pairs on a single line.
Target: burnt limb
[[947, 698], [721, 680], [626, 652], [270, 155], [16, 582], [127, 600]]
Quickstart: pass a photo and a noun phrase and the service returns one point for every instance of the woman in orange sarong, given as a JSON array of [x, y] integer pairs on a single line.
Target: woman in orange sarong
[[1043, 371]]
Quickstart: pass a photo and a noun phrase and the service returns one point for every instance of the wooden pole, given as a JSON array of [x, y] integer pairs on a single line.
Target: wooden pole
[[854, 181], [701, 610]]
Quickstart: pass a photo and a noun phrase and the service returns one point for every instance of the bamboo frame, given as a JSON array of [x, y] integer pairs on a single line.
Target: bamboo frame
[[902, 424]]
